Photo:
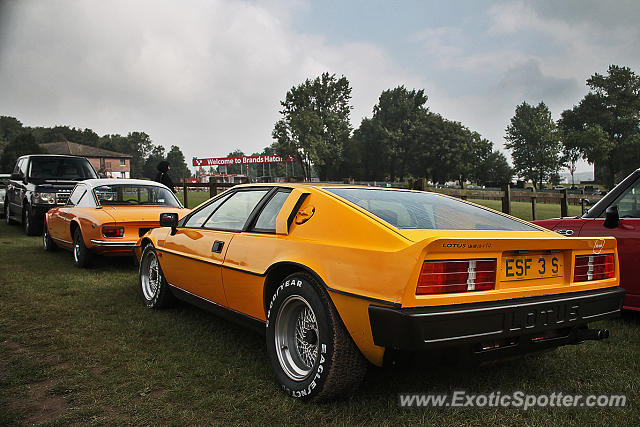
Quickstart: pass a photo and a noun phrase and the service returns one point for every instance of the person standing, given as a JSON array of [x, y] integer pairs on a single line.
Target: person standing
[[163, 175]]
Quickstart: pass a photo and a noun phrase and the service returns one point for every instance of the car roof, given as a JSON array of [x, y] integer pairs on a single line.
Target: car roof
[[53, 155], [120, 181]]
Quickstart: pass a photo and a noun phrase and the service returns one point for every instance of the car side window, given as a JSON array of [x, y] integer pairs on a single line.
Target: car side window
[[629, 202], [86, 200], [235, 211], [198, 218], [266, 221], [16, 169], [76, 195]]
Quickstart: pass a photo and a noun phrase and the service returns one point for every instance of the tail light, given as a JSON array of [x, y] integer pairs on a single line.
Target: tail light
[[438, 277], [594, 267], [112, 231]]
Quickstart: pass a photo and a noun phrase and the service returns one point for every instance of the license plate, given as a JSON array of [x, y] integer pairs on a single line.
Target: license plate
[[531, 266]]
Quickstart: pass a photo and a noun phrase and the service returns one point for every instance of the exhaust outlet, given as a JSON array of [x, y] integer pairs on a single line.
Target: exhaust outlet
[[591, 334]]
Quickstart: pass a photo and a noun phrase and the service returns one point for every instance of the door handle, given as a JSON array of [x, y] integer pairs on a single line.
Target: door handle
[[217, 246]]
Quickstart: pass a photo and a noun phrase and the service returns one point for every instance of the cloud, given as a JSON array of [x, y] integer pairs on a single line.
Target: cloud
[[208, 77]]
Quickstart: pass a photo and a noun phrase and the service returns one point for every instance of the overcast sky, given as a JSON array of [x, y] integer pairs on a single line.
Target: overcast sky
[[209, 76]]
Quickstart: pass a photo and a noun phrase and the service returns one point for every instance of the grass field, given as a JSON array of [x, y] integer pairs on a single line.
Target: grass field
[[78, 347]]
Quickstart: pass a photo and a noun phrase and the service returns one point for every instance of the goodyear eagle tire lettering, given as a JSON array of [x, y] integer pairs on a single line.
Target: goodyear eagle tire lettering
[[311, 354]]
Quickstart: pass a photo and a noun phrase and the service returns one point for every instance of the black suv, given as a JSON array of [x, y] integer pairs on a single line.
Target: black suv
[[38, 183]]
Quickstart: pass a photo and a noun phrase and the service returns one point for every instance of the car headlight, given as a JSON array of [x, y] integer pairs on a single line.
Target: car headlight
[[49, 198]]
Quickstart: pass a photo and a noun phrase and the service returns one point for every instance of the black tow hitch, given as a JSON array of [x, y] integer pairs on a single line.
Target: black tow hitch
[[586, 334]]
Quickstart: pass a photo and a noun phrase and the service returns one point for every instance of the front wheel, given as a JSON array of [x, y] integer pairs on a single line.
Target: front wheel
[[29, 222], [311, 353], [7, 213], [47, 242], [153, 286], [81, 254]]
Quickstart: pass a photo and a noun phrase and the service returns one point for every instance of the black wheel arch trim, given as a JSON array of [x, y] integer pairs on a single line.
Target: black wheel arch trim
[[327, 287]]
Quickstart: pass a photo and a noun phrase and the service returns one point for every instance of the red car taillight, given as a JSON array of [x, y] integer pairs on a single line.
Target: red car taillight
[[594, 267], [438, 277], [112, 231]]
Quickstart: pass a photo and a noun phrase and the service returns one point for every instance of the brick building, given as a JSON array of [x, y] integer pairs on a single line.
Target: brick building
[[109, 163]]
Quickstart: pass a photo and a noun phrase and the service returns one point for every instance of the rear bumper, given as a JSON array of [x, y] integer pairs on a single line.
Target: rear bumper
[[115, 244], [533, 319], [115, 248]]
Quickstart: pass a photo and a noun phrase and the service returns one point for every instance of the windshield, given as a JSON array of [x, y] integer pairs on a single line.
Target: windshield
[[135, 195], [60, 168], [427, 211]]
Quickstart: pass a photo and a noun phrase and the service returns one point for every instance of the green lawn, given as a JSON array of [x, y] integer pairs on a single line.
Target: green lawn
[[78, 347], [523, 209]]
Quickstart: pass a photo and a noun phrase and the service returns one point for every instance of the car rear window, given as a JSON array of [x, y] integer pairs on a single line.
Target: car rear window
[[135, 195], [412, 210]]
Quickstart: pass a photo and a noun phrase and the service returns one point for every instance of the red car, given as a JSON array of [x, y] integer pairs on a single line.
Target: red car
[[617, 215]]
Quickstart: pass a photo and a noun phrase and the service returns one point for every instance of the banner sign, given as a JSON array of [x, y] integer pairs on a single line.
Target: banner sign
[[243, 160]]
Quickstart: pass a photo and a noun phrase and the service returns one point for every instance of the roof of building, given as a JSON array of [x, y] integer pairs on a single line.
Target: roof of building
[[66, 147]]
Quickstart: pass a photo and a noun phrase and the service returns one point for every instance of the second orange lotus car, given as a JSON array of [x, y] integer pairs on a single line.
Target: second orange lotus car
[[107, 216]]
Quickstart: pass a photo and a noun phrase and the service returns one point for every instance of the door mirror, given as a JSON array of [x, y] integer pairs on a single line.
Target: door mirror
[[169, 220], [611, 219], [16, 176]]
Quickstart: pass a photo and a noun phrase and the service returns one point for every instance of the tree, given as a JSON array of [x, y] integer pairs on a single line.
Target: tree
[[10, 127], [315, 124], [368, 153], [150, 169], [137, 144], [534, 142], [20, 145], [234, 169], [495, 170], [401, 115], [179, 168], [605, 125]]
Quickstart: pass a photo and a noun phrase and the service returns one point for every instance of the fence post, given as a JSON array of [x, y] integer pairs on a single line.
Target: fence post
[[533, 205], [564, 203], [506, 199], [582, 204], [185, 192], [213, 188]]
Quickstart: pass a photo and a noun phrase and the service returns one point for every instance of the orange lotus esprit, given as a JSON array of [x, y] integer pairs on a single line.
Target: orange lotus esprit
[[107, 217], [340, 275]]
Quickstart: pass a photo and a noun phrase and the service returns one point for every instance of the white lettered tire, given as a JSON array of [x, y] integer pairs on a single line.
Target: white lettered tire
[[312, 355], [153, 286]]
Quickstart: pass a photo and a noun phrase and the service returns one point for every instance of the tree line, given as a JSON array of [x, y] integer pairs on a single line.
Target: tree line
[[17, 139], [402, 138], [603, 128]]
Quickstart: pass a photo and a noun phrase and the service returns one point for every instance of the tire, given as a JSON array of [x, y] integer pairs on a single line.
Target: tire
[[81, 254], [7, 217], [311, 353], [28, 222], [47, 242], [154, 288]]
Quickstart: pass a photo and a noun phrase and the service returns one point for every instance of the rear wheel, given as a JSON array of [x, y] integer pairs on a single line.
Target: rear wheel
[[47, 242], [311, 353], [153, 286], [81, 254]]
